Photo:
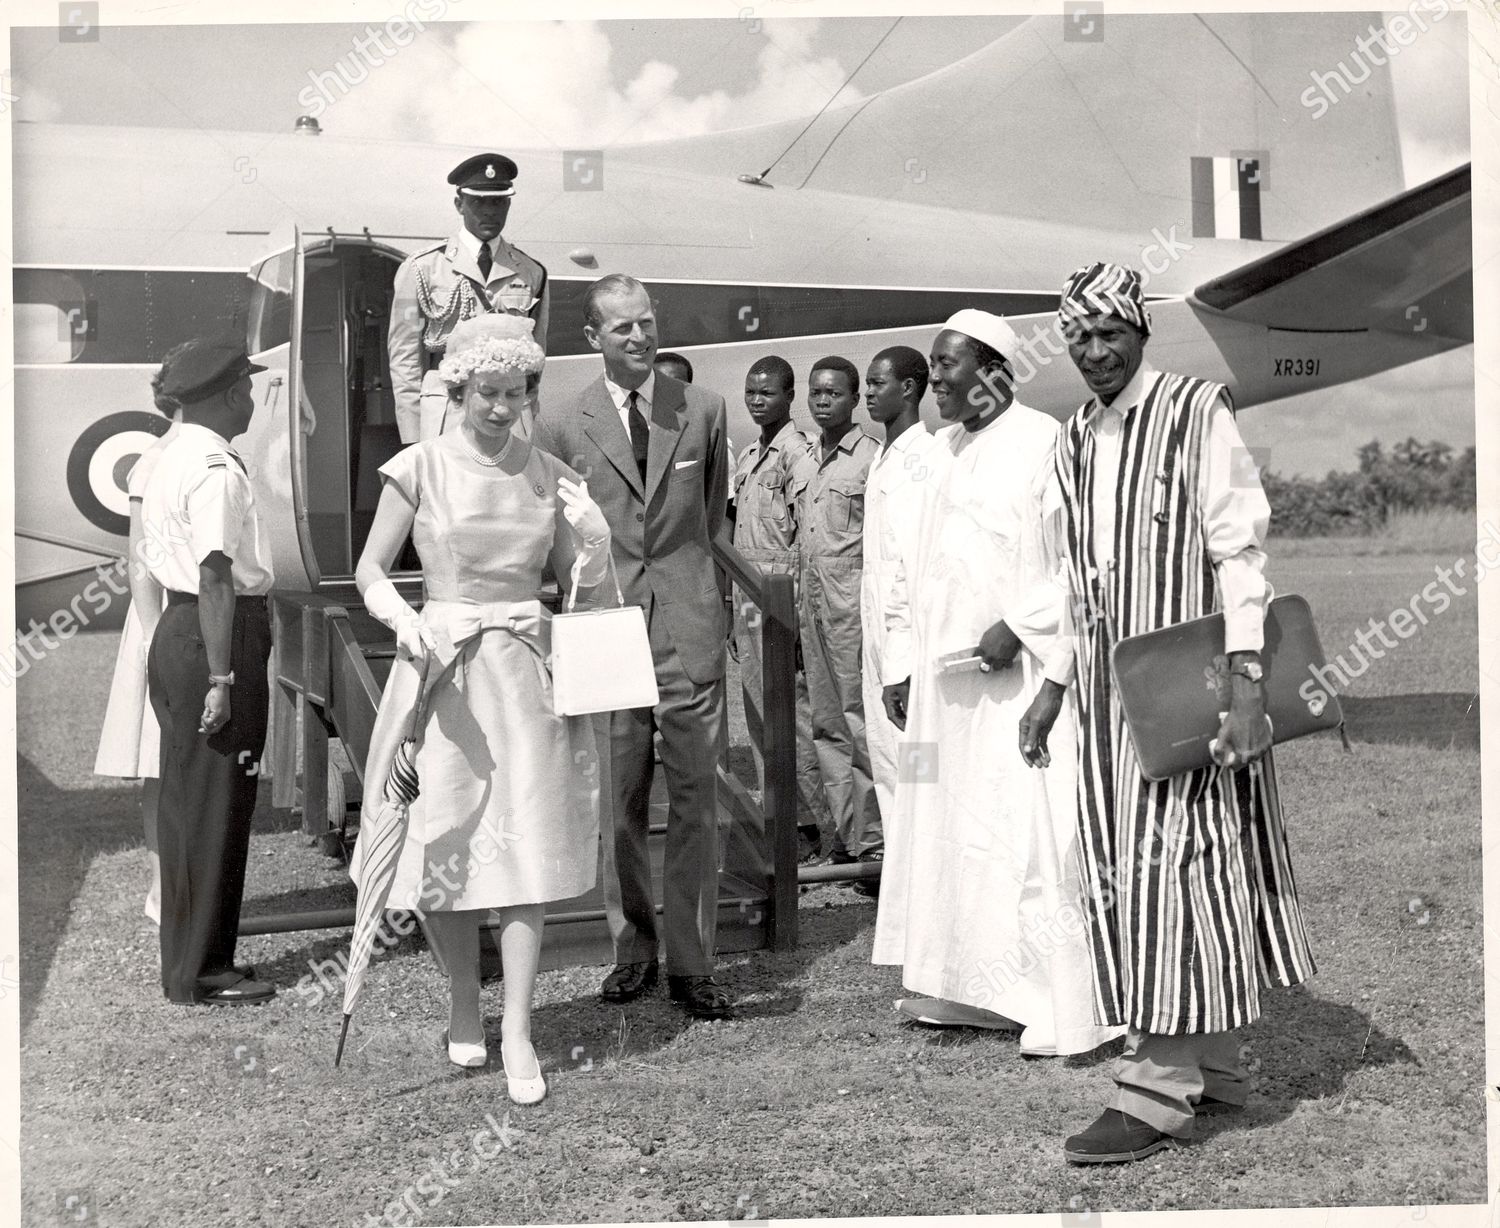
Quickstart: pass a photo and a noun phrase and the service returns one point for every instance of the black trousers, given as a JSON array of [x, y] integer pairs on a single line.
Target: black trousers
[[208, 788]]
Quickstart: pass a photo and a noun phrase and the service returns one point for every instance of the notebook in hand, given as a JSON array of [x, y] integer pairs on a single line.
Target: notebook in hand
[[1173, 684]]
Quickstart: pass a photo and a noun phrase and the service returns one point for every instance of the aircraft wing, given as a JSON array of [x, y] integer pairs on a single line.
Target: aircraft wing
[[1406, 265]]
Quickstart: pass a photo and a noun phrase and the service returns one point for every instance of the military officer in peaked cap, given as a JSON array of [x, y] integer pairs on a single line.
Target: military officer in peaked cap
[[207, 668], [473, 272]]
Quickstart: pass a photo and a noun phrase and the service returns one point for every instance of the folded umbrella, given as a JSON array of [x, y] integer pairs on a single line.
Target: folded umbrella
[[383, 832]]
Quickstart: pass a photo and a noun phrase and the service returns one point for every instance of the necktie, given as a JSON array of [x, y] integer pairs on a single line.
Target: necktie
[[486, 261], [640, 432]]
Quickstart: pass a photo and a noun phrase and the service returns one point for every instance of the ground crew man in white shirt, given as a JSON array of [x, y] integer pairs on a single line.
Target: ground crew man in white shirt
[[472, 272], [207, 669]]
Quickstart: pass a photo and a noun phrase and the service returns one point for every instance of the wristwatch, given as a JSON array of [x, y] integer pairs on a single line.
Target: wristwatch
[[1250, 670], [222, 679]]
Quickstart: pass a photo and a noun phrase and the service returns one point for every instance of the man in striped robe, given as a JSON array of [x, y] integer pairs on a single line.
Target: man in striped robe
[[1187, 882]]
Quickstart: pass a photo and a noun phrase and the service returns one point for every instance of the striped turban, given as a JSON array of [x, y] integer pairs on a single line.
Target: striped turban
[[1104, 289]]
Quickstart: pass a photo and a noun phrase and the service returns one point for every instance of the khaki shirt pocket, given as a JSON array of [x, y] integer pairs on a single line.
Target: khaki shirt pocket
[[771, 498], [846, 506]]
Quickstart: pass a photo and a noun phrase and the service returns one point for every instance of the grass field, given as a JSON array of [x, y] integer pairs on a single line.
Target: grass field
[[814, 1101], [1442, 529]]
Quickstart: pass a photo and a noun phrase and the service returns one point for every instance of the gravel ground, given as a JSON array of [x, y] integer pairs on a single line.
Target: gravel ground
[[814, 1101]]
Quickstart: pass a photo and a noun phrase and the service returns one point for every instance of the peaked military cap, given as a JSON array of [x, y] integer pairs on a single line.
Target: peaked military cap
[[486, 174], [199, 368]]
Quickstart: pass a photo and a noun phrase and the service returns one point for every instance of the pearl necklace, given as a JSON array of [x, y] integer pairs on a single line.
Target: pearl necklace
[[489, 462]]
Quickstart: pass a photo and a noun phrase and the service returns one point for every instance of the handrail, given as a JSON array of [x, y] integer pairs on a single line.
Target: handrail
[[774, 596], [740, 569], [353, 697], [779, 708]]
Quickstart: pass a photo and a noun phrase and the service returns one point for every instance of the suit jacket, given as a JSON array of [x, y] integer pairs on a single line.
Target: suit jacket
[[661, 533], [435, 288]]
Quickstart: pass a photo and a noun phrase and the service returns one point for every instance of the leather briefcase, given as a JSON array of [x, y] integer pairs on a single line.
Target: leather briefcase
[[1174, 683]]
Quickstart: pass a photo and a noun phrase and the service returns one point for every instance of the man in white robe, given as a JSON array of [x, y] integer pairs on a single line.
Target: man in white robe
[[894, 385], [980, 895]]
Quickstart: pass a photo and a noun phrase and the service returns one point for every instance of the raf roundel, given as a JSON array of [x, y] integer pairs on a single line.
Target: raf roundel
[[100, 463]]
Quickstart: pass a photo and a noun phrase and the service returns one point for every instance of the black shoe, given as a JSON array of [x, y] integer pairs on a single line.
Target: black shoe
[[870, 886], [628, 981], [234, 990], [703, 996], [247, 971], [1115, 1138], [1212, 1104]]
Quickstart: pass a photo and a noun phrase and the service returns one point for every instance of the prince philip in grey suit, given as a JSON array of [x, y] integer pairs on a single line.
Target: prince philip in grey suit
[[654, 452]]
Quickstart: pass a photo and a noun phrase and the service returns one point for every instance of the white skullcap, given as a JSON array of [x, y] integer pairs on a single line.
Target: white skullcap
[[986, 327]]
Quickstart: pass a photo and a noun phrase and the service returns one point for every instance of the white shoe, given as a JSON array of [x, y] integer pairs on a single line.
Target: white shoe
[[152, 909], [525, 1090], [940, 1013], [466, 1055]]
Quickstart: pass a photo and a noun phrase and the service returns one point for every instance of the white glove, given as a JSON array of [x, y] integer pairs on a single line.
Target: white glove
[[587, 521], [386, 604], [582, 512]]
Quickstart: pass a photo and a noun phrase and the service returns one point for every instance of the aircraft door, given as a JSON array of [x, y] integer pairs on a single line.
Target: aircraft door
[[345, 373], [274, 449]]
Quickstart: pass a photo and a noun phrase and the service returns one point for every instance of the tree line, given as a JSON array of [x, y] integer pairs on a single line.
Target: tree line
[[1411, 477]]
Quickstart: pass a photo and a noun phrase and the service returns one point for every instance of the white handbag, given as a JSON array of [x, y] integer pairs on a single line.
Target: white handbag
[[601, 659]]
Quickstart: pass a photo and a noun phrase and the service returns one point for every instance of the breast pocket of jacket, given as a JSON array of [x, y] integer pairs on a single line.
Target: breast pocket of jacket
[[846, 506], [688, 470], [771, 499]]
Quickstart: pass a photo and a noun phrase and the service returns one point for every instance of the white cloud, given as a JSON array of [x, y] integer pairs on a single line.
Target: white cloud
[[1430, 81], [541, 84]]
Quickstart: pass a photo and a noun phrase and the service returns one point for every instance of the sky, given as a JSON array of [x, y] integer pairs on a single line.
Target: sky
[[493, 81], [495, 85]]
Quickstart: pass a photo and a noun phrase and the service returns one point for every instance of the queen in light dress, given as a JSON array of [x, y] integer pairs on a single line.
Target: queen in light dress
[[130, 740], [508, 814]]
